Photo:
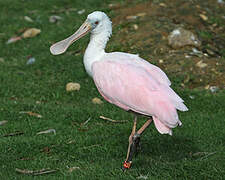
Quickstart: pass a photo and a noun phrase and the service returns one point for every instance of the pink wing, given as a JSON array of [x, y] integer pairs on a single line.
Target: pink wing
[[134, 84], [155, 71]]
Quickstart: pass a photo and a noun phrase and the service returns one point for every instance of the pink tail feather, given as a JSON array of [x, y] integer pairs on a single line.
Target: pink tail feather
[[166, 117], [163, 129]]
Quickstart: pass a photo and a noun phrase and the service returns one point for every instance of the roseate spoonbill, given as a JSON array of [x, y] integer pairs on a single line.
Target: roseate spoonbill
[[126, 80]]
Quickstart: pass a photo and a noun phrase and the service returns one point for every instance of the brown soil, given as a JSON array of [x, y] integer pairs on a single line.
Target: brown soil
[[147, 35]]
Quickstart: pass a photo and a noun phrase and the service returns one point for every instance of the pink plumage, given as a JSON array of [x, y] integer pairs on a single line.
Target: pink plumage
[[132, 83]]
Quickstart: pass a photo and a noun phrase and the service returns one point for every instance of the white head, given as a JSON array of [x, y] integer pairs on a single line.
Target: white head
[[96, 23], [99, 22]]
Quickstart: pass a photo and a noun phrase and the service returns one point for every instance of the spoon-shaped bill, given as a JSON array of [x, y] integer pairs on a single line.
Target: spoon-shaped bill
[[61, 46]]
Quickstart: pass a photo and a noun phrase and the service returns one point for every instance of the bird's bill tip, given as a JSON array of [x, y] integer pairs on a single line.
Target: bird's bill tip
[[61, 46]]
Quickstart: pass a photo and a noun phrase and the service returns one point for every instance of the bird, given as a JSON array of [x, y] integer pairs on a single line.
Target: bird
[[127, 81]]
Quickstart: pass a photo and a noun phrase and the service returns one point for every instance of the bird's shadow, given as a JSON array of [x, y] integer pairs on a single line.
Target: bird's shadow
[[169, 148]]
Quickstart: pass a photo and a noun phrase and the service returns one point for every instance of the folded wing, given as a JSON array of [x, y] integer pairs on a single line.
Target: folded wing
[[134, 84]]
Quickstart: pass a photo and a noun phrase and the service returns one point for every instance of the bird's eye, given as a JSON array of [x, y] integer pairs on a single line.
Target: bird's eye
[[96, 22]]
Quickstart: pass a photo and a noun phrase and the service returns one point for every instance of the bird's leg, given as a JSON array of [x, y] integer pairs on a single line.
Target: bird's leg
[[131, 136], [146, 124], [134, 140], [131, 145]]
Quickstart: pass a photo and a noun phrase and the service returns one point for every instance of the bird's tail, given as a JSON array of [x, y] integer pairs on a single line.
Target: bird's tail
[[162, 128], [165, 117]]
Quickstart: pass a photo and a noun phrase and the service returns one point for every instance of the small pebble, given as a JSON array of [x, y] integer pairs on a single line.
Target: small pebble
[[141, 14], [200, 64], [162, 4], [187, 56], [73, 86], [135, 27], [220, 1], [213, 89], [31, 61], [97, 101], [131, 17], [191, 97], [207, 86], [32, 32], [27, 18], [54, 19], [2, 60], [204, 17], [81, 11], [3, 122], [142, 177], [161, 61]]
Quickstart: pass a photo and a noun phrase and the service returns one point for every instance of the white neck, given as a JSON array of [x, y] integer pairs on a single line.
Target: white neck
[[95, 49]]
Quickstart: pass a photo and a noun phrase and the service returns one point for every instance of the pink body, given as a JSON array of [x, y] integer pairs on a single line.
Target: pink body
[[132, 83]]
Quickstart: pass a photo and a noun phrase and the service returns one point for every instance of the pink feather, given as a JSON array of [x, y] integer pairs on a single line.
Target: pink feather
[[132, 83]]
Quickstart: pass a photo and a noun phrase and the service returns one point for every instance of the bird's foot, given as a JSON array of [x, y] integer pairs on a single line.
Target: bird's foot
[[126, 165]]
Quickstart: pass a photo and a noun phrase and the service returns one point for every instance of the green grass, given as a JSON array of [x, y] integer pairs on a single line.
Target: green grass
[[195, 151], [205, 35]]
